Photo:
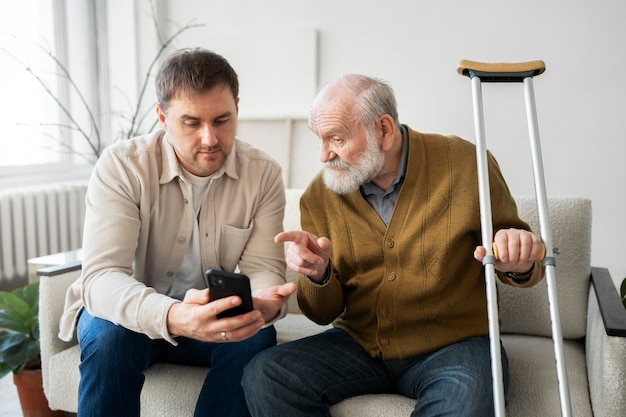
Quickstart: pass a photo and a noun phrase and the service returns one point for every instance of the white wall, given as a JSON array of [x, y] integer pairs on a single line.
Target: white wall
[[416, 46]]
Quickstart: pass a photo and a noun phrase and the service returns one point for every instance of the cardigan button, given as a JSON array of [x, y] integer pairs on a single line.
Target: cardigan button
[[182, 240], [391, 276], [384, 341], [390, 243]]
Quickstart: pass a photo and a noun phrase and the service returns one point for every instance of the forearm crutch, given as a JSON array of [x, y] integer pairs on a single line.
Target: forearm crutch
[[508, 73]]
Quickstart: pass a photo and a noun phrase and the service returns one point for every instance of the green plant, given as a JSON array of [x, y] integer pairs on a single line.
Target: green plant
[[19, 329], [622, 291]]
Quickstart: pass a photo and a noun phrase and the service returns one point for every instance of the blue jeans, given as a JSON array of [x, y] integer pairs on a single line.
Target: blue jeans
[[113, 359], [306, 376]]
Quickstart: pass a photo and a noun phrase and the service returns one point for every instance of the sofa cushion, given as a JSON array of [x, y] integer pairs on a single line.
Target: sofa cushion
[[63, 377], [526, 310], [292, 222], [374, 405], [171, 390], [533, 387], [296, 326]]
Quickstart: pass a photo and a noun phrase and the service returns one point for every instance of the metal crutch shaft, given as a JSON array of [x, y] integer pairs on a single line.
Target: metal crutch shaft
[[514, 72], [546, 236], [489, 260]]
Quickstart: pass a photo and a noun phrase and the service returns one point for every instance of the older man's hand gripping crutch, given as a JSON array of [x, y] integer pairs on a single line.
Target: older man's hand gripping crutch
[[523, 73]]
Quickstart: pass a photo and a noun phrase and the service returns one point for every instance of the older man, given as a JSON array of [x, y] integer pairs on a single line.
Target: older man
[[389, 229]]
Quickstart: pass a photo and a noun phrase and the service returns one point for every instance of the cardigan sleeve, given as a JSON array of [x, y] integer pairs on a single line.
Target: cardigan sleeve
[[320, 303]]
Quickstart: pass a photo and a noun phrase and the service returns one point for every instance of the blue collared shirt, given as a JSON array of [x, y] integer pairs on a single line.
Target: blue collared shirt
[[383, 201]]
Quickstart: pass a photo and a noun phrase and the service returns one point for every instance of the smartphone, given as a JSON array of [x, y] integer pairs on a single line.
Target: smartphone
[[223, 284]]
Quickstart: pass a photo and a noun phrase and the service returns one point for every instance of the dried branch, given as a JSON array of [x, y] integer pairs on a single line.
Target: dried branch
[[164, 45], [92, 135], [74, 125]]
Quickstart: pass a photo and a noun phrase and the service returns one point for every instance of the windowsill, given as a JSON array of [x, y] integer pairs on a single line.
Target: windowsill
[[43, 174], [54, 260]]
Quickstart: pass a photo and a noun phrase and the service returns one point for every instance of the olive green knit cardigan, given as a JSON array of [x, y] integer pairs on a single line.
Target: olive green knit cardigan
[[413, 286]]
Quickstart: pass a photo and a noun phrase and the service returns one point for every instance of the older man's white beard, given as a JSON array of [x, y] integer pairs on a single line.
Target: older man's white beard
[[343, 178]]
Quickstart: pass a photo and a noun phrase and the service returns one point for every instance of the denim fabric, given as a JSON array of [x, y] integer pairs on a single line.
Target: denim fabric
[[113, 360], [306, 376]]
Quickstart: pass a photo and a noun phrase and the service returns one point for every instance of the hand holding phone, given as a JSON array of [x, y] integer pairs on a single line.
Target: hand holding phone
[[224, 284]]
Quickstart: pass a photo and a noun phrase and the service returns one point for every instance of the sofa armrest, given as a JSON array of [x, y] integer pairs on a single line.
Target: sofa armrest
[[54, 282], [609, 302], [605, 346]]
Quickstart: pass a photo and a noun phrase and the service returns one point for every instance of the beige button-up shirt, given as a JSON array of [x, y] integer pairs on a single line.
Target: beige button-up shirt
[[138, 224]]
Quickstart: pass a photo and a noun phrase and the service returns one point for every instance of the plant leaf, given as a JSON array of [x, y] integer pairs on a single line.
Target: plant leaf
[[622, 291], [30, 294], [16, 349], [19, 309], [10, 321], [4, 369], [10, 339]]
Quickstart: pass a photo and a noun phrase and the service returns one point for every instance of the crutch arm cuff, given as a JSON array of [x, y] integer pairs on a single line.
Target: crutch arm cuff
[[500, 72]]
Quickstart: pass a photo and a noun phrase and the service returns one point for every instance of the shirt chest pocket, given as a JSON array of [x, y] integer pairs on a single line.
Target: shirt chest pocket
[[232, 243]]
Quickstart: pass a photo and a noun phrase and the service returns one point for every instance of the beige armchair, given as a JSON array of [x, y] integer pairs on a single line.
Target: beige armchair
[[592, 317]]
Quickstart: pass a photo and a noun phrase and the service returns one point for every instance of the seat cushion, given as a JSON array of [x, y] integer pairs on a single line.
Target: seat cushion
[[374, 405], [296, 326], [171, 390], [533, 388]]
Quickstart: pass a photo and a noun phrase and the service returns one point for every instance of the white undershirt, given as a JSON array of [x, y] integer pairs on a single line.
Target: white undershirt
[[190, 274]]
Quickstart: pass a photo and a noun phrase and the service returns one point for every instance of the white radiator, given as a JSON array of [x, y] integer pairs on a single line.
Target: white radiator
[[37, 221]]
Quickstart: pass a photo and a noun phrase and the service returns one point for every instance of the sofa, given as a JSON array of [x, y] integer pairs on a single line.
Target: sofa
[[593, 325]]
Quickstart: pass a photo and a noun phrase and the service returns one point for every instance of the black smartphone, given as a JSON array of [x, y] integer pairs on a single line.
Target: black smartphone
[[223, 284]]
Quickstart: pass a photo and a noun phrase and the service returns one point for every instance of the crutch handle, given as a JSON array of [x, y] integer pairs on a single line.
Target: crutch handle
[[539, 258], [500, 72]]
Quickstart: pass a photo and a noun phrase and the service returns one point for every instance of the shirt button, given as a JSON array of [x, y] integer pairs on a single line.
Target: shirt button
[[391, 276], [170, 273], [182, 240]]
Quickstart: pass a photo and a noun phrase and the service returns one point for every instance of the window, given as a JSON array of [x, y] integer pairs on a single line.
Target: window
[[28, 117], [36, 147]]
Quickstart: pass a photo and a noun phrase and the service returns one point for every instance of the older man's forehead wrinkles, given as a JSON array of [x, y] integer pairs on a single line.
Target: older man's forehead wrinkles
[[333, 123], [336, 130]]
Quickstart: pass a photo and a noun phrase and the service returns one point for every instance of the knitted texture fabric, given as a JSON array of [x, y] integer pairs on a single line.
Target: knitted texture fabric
[[412, 286]]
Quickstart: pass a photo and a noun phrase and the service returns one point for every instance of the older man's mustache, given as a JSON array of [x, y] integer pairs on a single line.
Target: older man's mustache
[[337, 163]]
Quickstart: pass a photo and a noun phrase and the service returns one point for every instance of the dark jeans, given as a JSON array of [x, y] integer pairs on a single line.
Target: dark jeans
[[113, 359], [306, 376]]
